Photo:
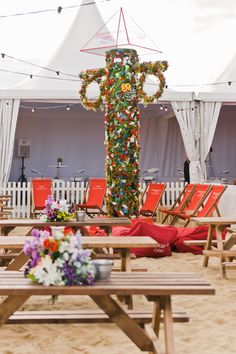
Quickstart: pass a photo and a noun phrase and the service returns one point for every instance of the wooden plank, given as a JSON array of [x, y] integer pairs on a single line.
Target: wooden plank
[[218, 220], [74, 316], [87, 241]]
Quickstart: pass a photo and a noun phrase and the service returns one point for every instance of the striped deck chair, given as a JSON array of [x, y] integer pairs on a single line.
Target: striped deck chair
[[151, 198], [93, 197], [180, 202]]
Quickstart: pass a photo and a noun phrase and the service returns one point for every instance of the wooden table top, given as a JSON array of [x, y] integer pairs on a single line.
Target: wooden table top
[[87, 222], [120, 283], [89, 241], [219, 220]]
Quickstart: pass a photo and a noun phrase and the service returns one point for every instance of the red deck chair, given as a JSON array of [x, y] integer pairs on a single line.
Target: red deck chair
[[94, 197], [41, 189], [197, 201], [152, 197], [180, 202], [212, 201]]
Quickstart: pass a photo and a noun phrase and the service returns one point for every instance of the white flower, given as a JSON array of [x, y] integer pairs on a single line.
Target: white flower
[[46, 272], [64, 206], [43, 217]]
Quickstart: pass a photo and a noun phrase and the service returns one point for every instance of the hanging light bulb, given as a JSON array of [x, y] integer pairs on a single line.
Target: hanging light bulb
[[161, 107], [68, 107], [33, 110], [166, 109]]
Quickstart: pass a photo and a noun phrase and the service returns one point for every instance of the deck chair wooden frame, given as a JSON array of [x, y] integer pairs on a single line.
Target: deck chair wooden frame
[[41, 188], [151, 198], [197, 201], [180, 203], [94, 197]]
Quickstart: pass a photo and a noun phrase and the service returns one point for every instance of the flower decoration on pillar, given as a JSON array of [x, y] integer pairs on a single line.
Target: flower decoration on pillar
[[121, 89]]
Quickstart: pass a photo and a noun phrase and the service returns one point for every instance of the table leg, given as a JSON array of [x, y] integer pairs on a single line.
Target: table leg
[[10, 305], [126, 267], [208, 244], [18, 262], [220, 247], [124, 322], [168, 325]]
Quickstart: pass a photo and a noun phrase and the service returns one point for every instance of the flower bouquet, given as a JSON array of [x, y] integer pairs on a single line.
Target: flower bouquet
[[57, 211], [59, 259]]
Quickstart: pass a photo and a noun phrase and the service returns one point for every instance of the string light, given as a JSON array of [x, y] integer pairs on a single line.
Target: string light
[[58, 9], [36, 65], [65, 106], [59, 73], [166, 109], [40, 76], [161, 107]]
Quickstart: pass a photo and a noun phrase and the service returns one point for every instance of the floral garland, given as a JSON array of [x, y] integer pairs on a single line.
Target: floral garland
[[88, 77], [145, 69], [121, 88]]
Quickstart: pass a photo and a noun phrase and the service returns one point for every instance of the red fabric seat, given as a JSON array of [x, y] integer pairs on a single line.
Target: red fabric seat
[[163, 235], [191, 233]]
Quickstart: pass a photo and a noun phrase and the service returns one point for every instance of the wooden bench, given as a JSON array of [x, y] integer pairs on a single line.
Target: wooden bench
[[73, 316], [157, 288], [228, 265]]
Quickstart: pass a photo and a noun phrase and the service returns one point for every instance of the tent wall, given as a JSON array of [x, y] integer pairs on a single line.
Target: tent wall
[[78, 137]]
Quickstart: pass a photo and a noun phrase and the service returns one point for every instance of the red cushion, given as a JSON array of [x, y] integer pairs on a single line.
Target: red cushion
[[192, 233], [164, 235]]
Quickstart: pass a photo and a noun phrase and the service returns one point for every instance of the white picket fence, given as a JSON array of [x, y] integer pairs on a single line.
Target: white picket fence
[[73, 192]]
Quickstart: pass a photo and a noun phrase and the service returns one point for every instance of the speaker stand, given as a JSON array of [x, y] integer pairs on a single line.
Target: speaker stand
[[22, 177]]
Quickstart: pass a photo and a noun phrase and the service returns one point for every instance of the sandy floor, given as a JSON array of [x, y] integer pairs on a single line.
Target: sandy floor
[[211, 329]]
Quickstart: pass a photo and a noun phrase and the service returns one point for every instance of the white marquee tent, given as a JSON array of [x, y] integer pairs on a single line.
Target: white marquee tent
[[77, 135]]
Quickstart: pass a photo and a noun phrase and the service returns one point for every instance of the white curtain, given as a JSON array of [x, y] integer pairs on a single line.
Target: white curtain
[[209, 114], [8, 117], [188, 119]]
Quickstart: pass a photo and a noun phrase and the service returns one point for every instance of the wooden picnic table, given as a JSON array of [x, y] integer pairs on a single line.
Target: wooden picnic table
[[220, 248], [119, 243], [156, 287], [106, 223]]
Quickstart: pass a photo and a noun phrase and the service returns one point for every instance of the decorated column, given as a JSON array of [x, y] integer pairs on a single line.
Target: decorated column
[[121, 88]]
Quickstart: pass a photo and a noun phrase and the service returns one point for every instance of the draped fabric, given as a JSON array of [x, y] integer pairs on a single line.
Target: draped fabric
[[188, 119], [8, 117], [209, 114]]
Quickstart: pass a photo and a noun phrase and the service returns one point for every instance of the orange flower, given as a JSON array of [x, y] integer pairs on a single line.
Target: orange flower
[[53, 246], [46, 243]]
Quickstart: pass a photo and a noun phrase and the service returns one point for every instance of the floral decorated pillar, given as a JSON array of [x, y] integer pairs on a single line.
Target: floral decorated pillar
[[121, 88]]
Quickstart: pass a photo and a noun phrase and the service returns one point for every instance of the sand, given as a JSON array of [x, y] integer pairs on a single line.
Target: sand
[[211, 329]]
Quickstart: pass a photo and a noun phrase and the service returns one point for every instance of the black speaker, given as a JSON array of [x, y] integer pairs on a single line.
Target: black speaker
[[24, 147]]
